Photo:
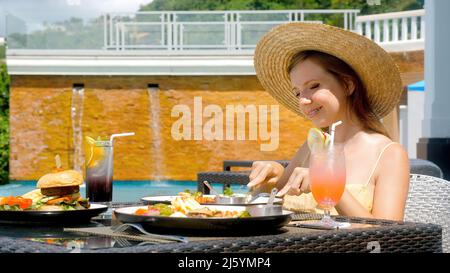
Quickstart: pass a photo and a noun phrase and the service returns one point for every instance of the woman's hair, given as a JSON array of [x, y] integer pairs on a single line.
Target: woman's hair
[[358, 101]]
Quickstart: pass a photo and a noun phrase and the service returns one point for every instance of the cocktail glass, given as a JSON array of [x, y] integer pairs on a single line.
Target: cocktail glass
[[327, 179], [99, 171]]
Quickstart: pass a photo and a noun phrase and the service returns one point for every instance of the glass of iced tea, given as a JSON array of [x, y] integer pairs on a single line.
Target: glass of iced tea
[[327, 178]]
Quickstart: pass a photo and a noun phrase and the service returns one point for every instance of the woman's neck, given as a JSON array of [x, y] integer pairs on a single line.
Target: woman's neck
[[346, 131]]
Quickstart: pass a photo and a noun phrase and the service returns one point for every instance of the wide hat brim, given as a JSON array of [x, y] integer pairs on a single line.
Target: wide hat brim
[[375, 67]]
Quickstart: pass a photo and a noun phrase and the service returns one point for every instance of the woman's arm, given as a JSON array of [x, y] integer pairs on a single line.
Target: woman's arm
[[391, 188], [392, 184]]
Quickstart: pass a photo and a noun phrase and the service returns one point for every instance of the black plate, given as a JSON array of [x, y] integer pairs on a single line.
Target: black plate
[[213, 225], [34, 217]]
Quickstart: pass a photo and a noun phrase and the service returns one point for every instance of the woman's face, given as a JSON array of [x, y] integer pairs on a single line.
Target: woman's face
[[322, 98]]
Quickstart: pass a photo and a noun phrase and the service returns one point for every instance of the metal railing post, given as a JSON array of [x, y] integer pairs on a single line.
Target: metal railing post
[[386, 33], [105, 32]]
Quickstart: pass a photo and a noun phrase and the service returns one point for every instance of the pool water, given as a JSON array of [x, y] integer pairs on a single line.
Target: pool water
[[125, 191]]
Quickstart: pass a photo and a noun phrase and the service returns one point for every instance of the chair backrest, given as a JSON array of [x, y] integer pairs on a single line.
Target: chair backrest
[[422, 166], [429, 202]]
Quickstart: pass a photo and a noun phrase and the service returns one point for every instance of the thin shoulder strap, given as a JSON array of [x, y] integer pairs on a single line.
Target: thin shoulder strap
[[376, 163]]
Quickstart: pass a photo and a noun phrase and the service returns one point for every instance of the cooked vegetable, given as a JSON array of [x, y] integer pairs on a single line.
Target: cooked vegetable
[[164, 209], [9, 203], [228, 191], [198, 196], [156, 210], [244, 214]]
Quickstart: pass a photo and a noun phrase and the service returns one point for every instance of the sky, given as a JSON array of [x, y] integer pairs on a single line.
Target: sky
[[34, 12]]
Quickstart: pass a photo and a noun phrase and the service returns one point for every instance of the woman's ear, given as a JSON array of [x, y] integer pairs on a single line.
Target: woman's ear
[[350, 85]]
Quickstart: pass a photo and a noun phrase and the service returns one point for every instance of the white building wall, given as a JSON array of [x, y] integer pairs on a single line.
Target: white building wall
[[416, 105], [436, 122]]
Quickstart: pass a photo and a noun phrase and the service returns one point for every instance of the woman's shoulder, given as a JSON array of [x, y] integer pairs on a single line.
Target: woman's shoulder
[[382, 146], [392, 156], [375, 138], [378, 141]]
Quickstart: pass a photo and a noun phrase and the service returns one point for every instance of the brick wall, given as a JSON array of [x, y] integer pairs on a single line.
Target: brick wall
[[41, 124]]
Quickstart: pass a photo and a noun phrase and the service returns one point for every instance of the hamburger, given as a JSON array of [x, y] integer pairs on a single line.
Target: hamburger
[[58, 191]]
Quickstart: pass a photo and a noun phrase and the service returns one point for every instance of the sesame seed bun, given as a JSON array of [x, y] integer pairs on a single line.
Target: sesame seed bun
[[60, 179]]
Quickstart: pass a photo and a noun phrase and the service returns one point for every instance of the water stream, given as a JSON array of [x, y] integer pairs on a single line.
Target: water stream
[[155, 127], [77, 117]]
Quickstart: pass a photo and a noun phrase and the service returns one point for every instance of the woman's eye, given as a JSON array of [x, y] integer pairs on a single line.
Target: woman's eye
[[297, 94], [315, 86]]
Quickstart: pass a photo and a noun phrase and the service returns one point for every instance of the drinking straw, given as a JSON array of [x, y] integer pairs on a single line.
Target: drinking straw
[[120, 135], [333, 129]]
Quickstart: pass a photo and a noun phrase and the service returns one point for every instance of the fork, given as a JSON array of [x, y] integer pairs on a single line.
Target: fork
[[139, 227], [122, 242], [253, 198]]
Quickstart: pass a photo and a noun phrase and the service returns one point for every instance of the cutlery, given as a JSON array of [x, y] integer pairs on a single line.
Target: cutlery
[[138, 227]]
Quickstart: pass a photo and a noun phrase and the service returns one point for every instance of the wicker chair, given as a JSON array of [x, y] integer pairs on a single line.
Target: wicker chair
[[429, 202]]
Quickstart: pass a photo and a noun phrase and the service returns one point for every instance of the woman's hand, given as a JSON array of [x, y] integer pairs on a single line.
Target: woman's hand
[[298, 183], [264, 175]]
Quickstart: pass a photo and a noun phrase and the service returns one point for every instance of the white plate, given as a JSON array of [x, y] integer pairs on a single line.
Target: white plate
[[167, 199]]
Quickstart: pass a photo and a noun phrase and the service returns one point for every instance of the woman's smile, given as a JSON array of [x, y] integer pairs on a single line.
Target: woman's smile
[[311, 113]]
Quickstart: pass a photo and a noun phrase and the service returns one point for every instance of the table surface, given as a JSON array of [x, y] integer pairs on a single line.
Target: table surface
[[365, 235]]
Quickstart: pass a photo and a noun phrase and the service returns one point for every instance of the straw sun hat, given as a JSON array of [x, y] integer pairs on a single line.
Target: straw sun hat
[[374, 66]]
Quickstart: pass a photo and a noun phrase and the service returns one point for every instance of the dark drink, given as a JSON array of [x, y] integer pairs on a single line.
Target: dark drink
[[99, 173], [99, 189]]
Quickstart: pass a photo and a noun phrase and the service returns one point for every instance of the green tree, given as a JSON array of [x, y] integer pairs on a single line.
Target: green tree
[[73, 33], [2, 53], [363, 5], [4, 124]]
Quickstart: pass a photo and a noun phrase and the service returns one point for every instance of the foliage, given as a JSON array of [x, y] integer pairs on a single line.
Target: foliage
[[73, 33], [363, 5], [4, 124], [2, 53]]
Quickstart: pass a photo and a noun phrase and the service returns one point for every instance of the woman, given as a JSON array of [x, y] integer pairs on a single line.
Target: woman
[[327, 74]]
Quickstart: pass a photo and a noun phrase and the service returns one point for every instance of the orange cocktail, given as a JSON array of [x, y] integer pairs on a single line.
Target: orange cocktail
[[327, 176], [327, 180]]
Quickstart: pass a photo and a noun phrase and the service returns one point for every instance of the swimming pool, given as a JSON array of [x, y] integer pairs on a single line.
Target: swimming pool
[[125, 191]]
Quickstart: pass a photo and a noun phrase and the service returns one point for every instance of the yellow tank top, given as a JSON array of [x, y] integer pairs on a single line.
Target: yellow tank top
[[361, 192]]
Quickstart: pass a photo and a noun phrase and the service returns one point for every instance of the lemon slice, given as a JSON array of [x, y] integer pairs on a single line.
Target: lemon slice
[[317, 137], [88, 150], [93, 154]]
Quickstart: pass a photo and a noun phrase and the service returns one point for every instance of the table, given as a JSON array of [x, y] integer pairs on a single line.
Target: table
[[380, 236]]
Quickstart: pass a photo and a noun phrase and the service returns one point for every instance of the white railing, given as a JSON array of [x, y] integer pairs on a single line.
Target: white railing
[[203, 32], [219, 30], [394, 30]]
